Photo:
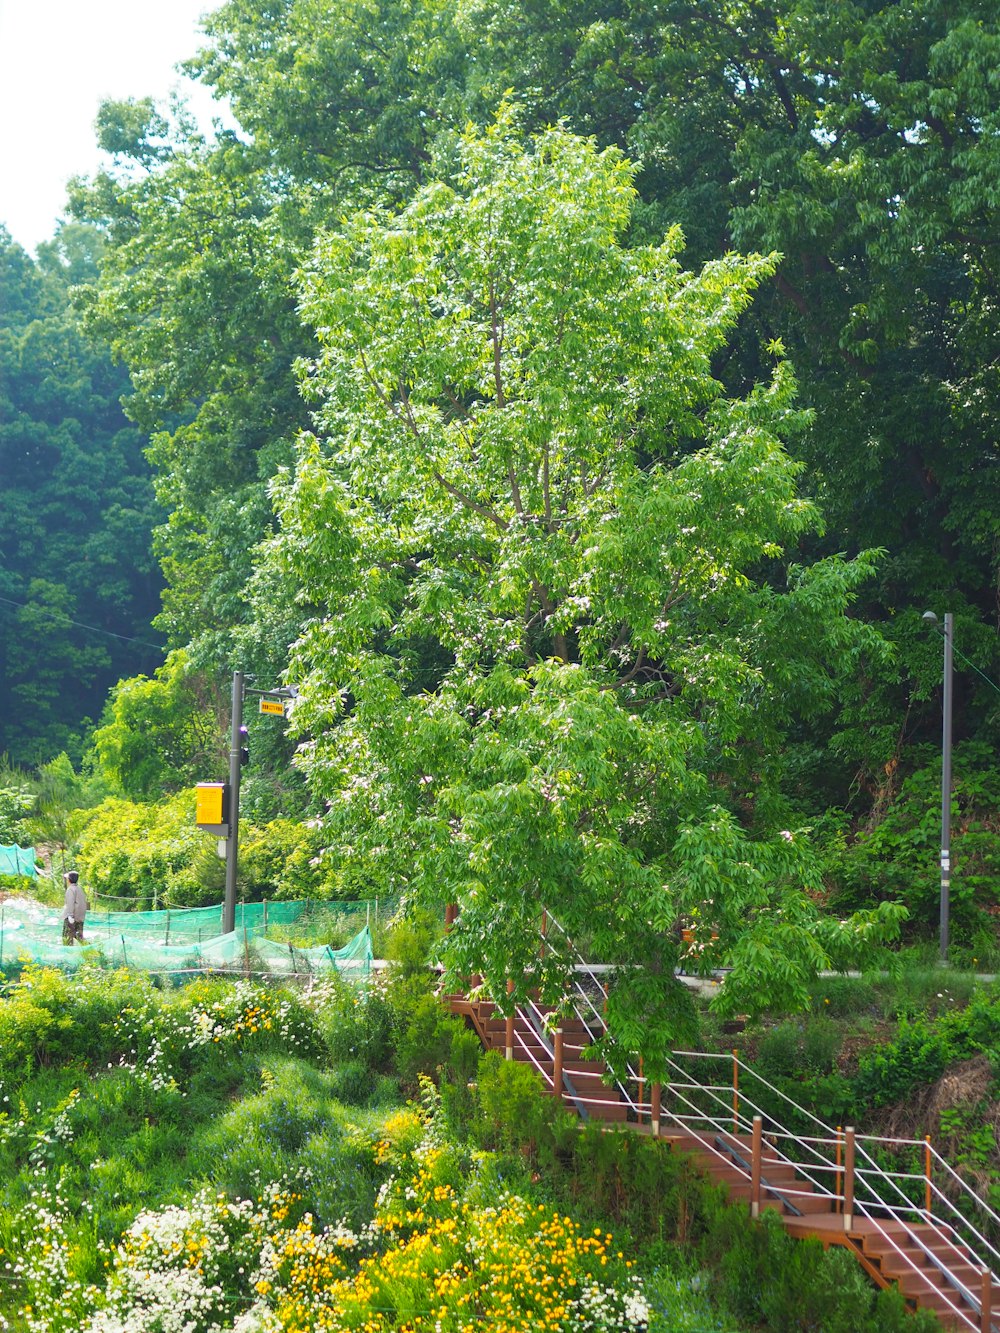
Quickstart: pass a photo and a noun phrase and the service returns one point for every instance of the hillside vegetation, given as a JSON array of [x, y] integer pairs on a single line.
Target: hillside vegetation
[[234, 1157]]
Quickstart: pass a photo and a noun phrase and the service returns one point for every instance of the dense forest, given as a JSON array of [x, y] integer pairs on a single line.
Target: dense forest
[[581, 403]]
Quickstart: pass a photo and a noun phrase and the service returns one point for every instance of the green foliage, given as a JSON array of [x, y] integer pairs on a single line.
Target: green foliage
[[284, 859], [547, 675], [76, 509], [15, 804], [899, 857], [787, 1285], [61, 790], [512, 1115], [47, 1016], [431, 1043], [810, 1045], [148, 854], [356, 1024], [162, 733], [292, 1129]]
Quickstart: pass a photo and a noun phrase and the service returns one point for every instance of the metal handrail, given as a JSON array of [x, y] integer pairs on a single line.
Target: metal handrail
[[866, 1176], [871, 1178]]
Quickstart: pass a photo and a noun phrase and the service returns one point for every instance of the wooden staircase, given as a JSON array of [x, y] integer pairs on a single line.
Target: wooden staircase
[[930, 1267], [931, 1263]]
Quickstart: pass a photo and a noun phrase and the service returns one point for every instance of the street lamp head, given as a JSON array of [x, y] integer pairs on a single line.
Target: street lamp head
[[930, 617]]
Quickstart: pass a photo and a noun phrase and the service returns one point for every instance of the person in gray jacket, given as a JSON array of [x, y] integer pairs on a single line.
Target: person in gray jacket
[[74, 909]]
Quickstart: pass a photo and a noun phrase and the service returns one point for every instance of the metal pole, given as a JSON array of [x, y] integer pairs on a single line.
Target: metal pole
[[949, 621], [232, 842], [756, 1159]]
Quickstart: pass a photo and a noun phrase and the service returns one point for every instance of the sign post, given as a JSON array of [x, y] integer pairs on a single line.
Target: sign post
[[233, 837]]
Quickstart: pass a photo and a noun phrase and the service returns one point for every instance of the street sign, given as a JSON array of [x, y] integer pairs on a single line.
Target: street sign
[[274, 706]]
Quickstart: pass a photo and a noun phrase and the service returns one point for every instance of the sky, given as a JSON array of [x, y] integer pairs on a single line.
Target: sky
[[59, 59]]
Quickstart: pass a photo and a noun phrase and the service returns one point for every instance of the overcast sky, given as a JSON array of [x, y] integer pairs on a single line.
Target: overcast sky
[[59, 59]]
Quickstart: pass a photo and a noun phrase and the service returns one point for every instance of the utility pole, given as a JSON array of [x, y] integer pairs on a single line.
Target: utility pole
[[233, 837], [946, 710], [949, 622]]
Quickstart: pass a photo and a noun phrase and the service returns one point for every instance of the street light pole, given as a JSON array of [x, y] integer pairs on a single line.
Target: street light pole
[[232, 841], [947, 635], [949, 621]]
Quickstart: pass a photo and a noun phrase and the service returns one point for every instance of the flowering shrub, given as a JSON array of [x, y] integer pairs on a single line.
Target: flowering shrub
[[40, 1262], [176, 1271], [244, 1014], [442, 1264], [445, 1252]]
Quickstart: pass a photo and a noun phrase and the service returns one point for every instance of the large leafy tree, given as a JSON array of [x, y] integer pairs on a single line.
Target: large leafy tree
[[78, 584], [564, 630], [859, 140]]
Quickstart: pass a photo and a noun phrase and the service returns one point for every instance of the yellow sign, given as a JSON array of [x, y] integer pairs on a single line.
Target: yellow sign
[[209, 803], [274, 706]]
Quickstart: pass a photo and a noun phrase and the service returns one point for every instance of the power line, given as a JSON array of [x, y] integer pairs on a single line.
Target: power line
[[992, 683], [79, 624]]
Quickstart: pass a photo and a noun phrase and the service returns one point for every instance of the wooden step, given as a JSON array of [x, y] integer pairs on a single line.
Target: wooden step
[[609, 1112]]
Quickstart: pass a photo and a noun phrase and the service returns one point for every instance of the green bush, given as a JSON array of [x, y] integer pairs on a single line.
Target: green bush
[[430, 1042], [355, 1022], [148, 854], [284, 859], [898, 859], [512, 1114], [47, 1015]]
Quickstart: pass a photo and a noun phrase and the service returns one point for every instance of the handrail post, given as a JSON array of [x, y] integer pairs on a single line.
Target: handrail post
[[986, 1306], [654, 1110], [927, 1173], [755, 1166], [557, 1062], [837, 1175], [848, 1177], [736, 1090], [509, 1031]]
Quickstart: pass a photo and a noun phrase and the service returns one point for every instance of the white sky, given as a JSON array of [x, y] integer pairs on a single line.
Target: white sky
[[59, 59]]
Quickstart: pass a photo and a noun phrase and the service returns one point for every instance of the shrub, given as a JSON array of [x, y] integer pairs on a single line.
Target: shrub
[[355, 1022], [150, 853]]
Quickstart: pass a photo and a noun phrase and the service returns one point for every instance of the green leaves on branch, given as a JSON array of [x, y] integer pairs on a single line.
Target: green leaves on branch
[[559, 641]]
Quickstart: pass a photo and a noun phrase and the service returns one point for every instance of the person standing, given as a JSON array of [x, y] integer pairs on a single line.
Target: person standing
[[74, 909]]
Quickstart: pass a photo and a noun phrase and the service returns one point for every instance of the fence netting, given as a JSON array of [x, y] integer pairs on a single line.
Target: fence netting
[[15, 860], [287, 937]]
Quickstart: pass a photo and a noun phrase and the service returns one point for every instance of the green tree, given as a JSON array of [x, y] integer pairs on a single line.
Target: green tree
[[163, 732], [564, 629], [859, 140], [77, 579]]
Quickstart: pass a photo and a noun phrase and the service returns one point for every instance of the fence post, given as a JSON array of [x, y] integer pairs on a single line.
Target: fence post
[[839, 1206], [986, 1308], [557, 1063], [736, 1090], [654, 1110], [509, 1032], [927, 1173], [755, 1165], [848, 1177]]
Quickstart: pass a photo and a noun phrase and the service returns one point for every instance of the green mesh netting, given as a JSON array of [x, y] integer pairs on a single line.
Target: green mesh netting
[[269, 937], [16, 860]]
